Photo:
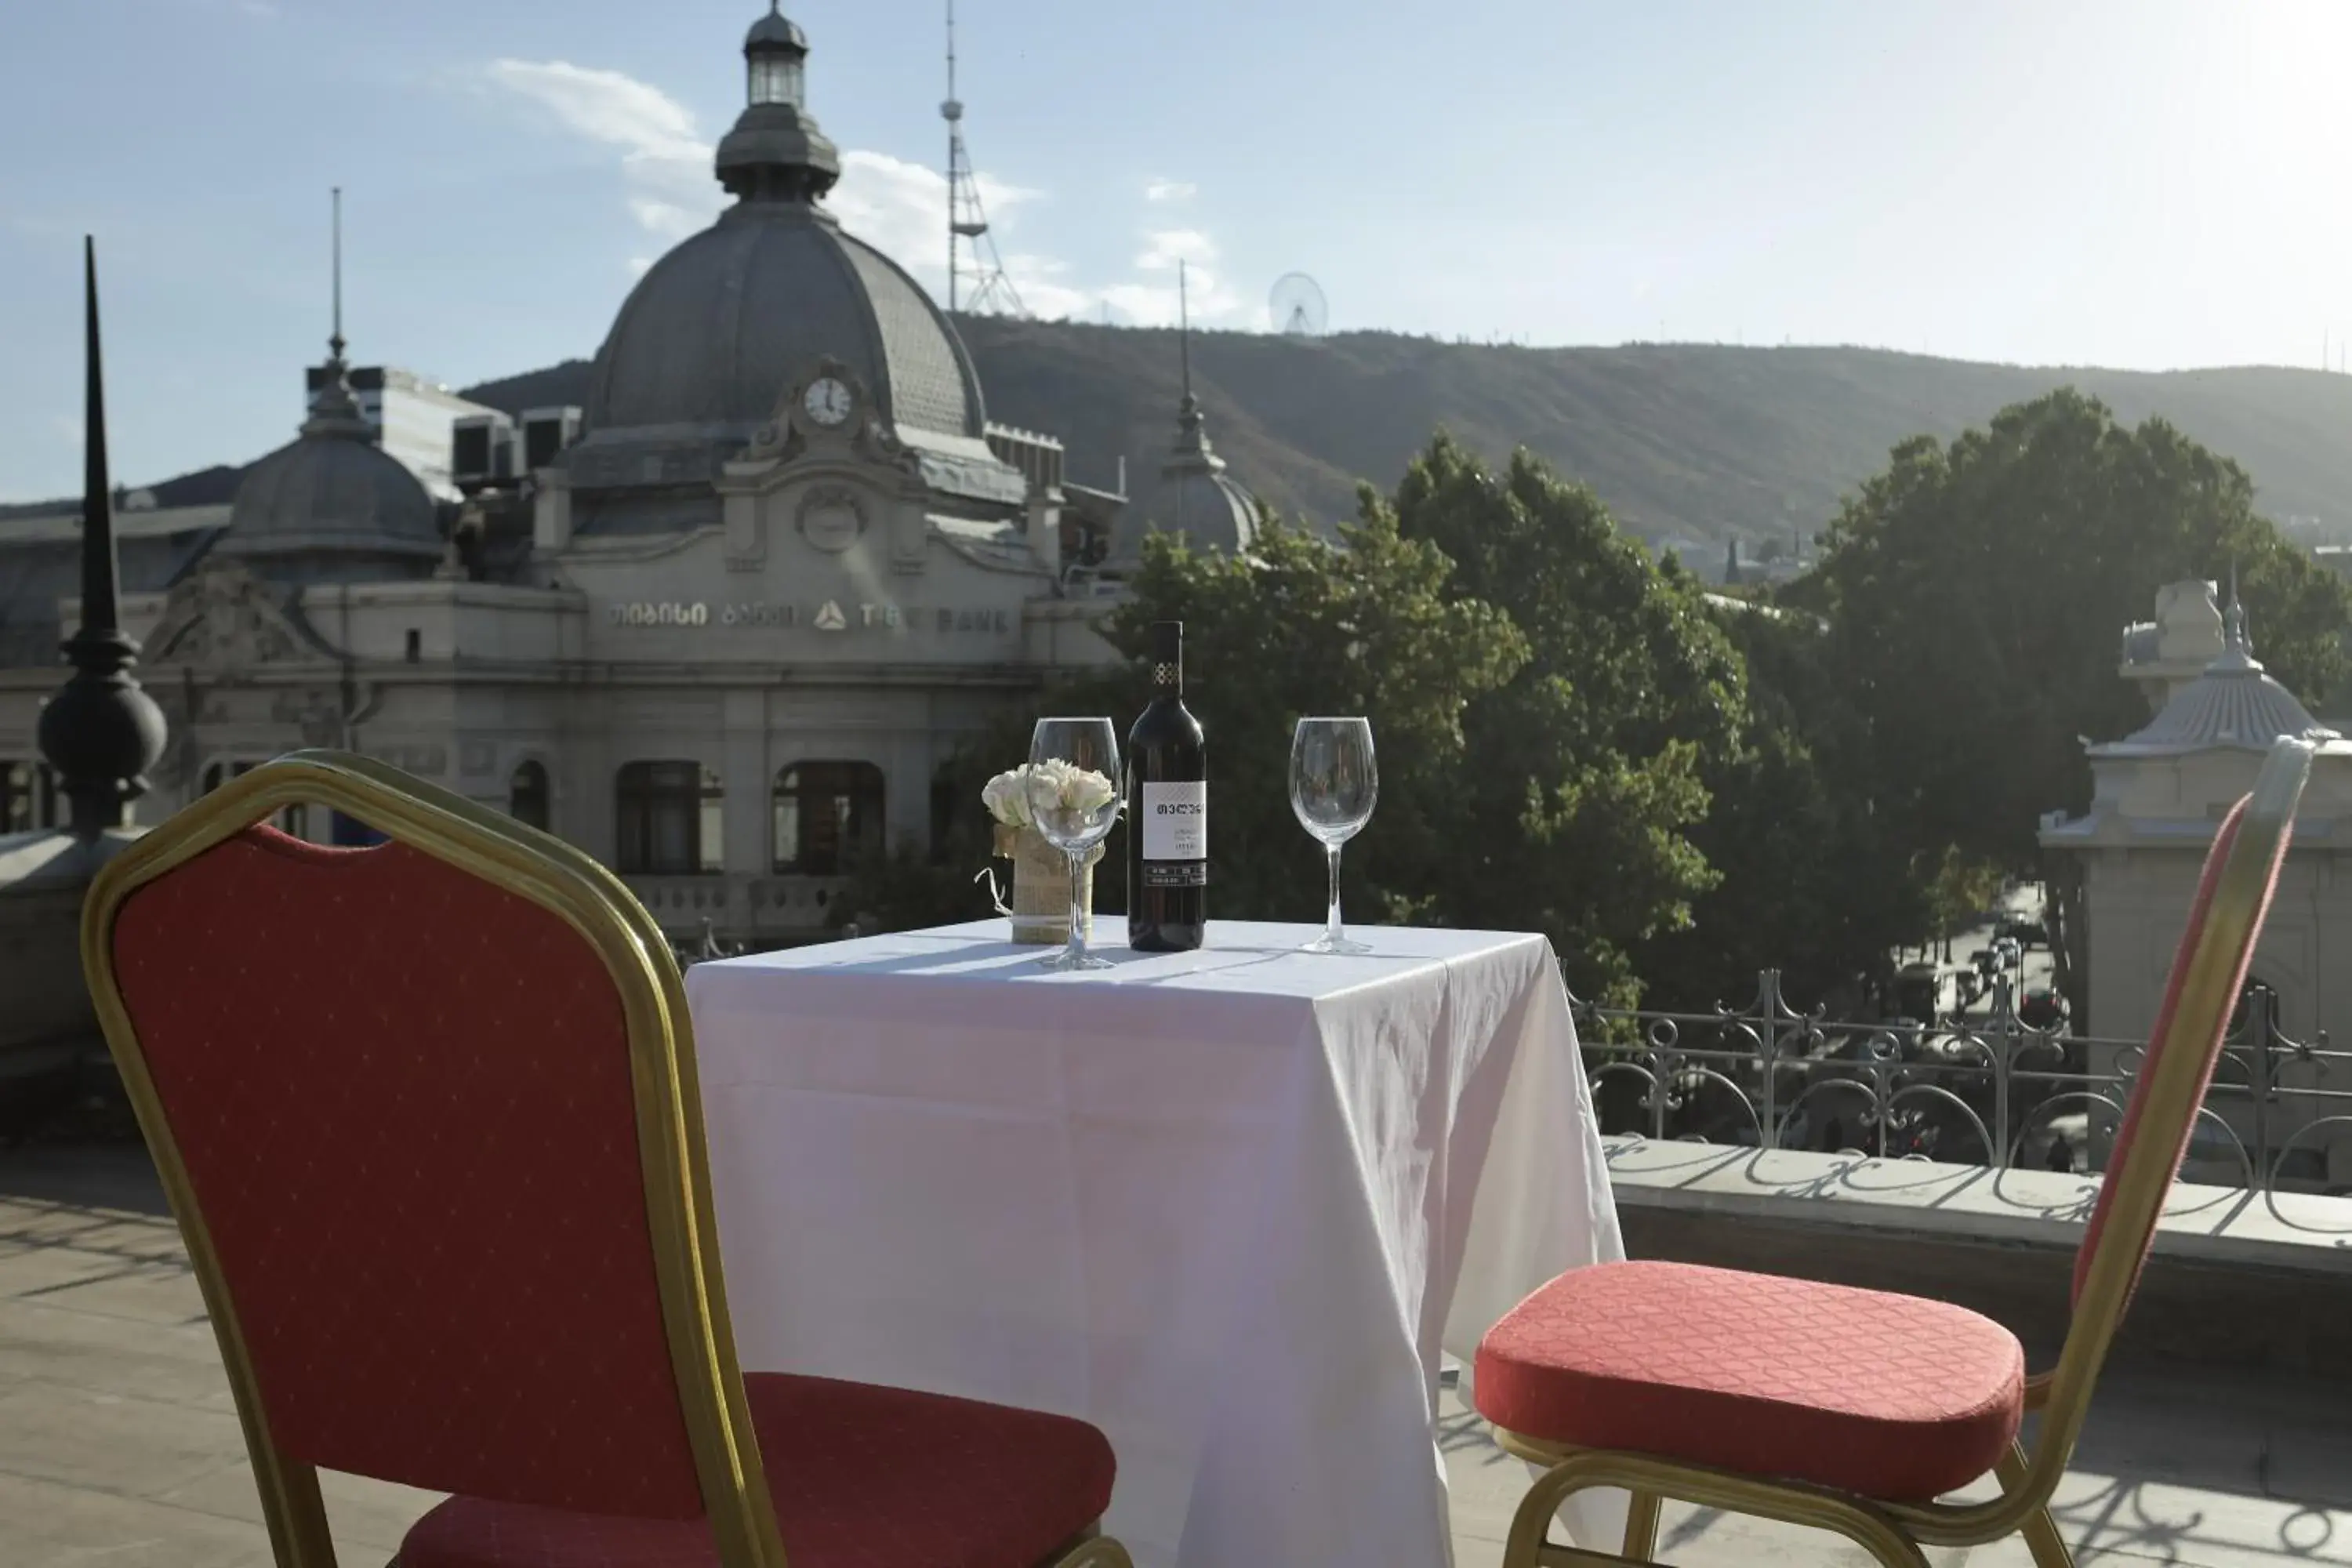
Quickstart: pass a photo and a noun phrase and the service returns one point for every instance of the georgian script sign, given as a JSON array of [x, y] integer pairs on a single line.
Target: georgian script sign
[[830, 616]]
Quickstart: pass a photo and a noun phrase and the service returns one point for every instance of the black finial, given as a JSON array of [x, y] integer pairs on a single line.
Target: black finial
[[99, 732]]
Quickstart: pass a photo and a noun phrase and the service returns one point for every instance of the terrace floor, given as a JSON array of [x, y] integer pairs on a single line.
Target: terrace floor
[[119, 1449]]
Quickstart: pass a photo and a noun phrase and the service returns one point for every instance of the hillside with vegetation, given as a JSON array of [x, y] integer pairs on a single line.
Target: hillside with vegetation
[[1695, 441]]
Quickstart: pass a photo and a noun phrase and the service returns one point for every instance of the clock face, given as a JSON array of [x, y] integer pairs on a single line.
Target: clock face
[[827, 401]]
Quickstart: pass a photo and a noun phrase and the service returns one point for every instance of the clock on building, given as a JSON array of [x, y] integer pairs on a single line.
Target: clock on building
[[827, 401]]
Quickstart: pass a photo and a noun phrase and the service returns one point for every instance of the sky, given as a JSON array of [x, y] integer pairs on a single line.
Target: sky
[[2145, 184]]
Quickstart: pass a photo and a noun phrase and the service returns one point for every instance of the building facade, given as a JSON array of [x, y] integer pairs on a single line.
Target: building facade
[[723, 641], [2157, 795]]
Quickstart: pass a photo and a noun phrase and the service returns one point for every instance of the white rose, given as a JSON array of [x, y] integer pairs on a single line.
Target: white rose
[[1088, 791], [1048, 785], [1007, 797]]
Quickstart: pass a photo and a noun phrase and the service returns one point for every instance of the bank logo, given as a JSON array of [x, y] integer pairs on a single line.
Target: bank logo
[[829, 618]]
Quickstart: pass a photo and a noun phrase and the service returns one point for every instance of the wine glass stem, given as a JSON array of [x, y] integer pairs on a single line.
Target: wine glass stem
[[1331, 932], [1077, 948]]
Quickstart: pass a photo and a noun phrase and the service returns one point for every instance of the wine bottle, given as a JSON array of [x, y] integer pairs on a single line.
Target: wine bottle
[[1167, 810]]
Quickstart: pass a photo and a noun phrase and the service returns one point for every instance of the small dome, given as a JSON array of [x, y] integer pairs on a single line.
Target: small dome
[[775, 28], [333, 488], [714, 332], [1194, 496], [2234, 705]]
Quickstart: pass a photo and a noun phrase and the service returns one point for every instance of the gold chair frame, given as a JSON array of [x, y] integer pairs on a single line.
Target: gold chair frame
[[559, 877], [1895, 1533]]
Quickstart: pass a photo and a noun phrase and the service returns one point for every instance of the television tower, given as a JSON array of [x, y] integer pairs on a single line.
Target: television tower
[[971, 250]]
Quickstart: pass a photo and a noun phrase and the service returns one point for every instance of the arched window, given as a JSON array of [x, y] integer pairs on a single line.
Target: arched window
[[826, 813], [670, 816], [29, 798], [527, 796]]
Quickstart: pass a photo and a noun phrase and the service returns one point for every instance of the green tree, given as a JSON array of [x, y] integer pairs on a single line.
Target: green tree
[[1804, 885], [1590, 764], [1975, 592], [1305, 626]]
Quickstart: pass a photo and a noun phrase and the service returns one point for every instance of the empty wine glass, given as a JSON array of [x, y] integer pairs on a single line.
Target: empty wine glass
[[1074, 799], [1333, 787]]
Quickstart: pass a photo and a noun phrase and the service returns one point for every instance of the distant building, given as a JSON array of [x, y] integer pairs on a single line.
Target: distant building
[[720, 626], [2157, 796], [410, 415]]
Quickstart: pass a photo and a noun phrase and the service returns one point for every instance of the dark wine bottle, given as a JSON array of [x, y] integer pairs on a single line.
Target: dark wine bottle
[[1167, 810]]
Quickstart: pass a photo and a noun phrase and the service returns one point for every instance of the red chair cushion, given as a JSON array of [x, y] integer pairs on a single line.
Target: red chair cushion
[[1892, 1397], [862, 1478]]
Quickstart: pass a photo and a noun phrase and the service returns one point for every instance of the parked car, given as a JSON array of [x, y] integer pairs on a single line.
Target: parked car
[[2027, 934]]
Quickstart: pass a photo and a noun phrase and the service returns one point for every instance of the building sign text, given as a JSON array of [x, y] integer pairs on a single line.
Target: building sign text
[[832, 616]]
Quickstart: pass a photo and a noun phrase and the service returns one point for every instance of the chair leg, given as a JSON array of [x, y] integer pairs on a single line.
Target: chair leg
[[1529, 1545], [2042, 1541], [1641, 1527]]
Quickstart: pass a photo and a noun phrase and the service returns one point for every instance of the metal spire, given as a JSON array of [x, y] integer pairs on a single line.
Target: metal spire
[[99, 732], [100, 616], [335, 341], [334, 410], [1184, 326]]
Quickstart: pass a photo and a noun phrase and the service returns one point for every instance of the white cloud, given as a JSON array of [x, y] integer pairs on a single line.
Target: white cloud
[[69, 429], [902, 208], [898, 206], [664, 162], [1155, 302]]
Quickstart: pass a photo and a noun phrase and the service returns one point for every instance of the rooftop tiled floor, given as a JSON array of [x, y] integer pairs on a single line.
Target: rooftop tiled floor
[[119, 1447]]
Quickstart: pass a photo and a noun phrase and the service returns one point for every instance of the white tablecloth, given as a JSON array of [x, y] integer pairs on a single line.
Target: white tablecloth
[[1228, 1205]]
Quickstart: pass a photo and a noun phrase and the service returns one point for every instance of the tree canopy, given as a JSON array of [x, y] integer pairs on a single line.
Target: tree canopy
[[1545, 701], [1575, 739], [1977, 592]]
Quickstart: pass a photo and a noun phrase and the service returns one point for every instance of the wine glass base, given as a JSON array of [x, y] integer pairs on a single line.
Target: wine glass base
[[1068, 960], [1336, 944]]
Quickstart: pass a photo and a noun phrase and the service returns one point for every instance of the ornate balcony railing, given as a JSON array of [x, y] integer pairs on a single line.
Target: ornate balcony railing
[[1983, 1088]]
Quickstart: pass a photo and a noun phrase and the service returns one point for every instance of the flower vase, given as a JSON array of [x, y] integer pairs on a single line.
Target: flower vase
[[1039, 910]]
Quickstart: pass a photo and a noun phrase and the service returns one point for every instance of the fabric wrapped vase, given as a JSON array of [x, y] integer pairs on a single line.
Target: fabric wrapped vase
[[1039, 910]]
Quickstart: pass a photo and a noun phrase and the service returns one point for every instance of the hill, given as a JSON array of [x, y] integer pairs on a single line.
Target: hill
[[1692, 441]]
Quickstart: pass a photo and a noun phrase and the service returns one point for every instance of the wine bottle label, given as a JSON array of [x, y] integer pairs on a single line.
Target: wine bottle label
[[1175, 823]]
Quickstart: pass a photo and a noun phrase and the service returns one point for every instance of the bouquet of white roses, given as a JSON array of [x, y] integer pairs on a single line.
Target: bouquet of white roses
[[1040, 892], [1016, 796]]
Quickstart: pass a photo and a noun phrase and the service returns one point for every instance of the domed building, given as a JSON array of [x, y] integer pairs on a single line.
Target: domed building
[[2128, 868], [331, 505], [720, 623], [1194, 496]]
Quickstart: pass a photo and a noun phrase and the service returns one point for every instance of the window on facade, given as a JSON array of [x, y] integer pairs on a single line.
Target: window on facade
[[826, 813], [669, 818], [29, 798], [527, 796]]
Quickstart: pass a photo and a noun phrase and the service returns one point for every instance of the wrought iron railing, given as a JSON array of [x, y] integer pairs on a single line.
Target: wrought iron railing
[[1982, 1088]]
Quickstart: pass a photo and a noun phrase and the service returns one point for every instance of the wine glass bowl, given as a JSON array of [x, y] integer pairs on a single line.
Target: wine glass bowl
[[1074, 799], [1334, 784]]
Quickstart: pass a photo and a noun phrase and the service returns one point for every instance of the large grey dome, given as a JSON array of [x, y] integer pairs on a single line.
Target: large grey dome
[[332, 490], [711, 335]]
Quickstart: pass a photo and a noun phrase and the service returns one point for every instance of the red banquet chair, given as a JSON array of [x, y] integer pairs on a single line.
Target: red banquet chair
[[426, 1112], [1853, 1411]]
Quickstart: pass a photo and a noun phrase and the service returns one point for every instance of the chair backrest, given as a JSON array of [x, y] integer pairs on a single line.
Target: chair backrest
[[419, 1108], [2209, 971]]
